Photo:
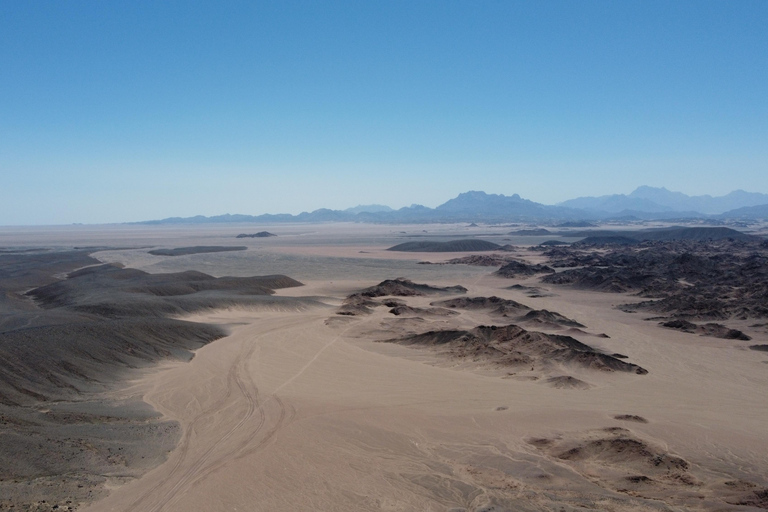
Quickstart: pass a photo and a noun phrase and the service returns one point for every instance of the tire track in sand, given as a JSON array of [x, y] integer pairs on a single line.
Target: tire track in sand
[[243, 450], [237, 377]]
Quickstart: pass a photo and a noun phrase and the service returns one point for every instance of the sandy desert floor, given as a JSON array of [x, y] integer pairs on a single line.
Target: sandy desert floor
[[303, 409]]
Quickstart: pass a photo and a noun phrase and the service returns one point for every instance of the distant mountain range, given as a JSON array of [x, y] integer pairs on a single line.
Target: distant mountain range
[[644, 203], [652, 199]]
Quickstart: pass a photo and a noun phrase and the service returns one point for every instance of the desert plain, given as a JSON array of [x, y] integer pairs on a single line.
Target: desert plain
[[353, 378]]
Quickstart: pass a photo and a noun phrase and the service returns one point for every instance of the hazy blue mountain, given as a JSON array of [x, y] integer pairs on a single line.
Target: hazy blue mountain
[[659, 199], [646, 203], [614, 204], [368, 208], [704, 204], [667, 215], [747, 212], [467, 207], [475, 205]]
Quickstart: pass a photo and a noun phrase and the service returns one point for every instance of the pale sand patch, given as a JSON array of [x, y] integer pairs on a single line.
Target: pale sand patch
[[289, 413]]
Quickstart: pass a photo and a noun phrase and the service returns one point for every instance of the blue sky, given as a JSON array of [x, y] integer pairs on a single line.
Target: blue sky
[[121, 111]]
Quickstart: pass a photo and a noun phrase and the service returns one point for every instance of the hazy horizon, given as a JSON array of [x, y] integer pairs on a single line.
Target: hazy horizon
[[360, 205], [130, 112]]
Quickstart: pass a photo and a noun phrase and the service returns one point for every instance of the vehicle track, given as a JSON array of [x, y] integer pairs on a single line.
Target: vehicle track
[[186, 474]]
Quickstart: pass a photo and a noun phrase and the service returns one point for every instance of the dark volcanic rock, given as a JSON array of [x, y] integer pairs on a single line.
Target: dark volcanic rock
[[542, 316], [408, 310], [675, 233], [512, 345], [64, 362], [519, 268], [506, 307], [260, 234], [577, 224], [721, 331], [361, 303], [451, 246], [606, 240], [630, 417], [712, 280], [494, 304], [481, 260], [357, 304], [113, 292], [406, 288], [531, 232], [681, 325]]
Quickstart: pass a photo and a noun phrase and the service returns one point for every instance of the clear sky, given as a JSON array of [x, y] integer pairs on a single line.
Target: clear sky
[[115, 111]]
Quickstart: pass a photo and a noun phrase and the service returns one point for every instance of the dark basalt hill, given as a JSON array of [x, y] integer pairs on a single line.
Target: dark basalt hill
[[666, 234], [198, 249], [510, 308], [494, 305], [520, 268], [32, 268], [481, 260], [607, 240], [545, 317], [451, 246], [114, 292], [22, 271], [361, 303], [710, 329], [407, 288], [683, 280], [513, 346], [531, 232], [64, 362], [260, 234], [576, 224], [79, 330]]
